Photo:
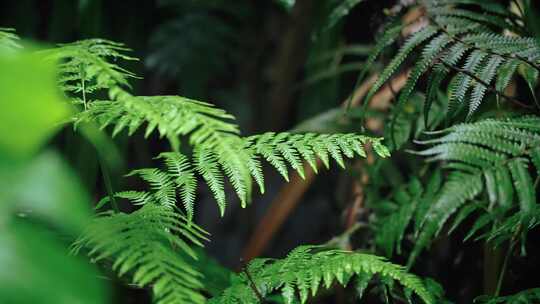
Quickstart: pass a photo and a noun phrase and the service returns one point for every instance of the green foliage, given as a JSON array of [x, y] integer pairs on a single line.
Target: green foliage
[[85, 68], [522, 297], [27, 91], [218, 148], [308, 268], [209, 161], [145, 244], [409, 204], [171, 116], [31, 206], [454, 35], [491, 156]]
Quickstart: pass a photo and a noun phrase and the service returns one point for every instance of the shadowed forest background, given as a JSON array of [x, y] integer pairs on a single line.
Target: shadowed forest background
[[276, 66]]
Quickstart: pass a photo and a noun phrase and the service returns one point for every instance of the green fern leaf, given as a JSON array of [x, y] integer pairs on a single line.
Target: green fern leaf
[[491, 155], [182, 174], [429, 54], [145, 245], [506, 71], [306, 268], [414, 41], [486, 74], [85, 67], [161, 183], [457, 190], [523, 182], [206, 164], [461, 83]]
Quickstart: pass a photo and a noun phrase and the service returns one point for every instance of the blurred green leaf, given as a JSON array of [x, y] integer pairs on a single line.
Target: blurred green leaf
[[286, 4], [46, 188], [32, 106], [37, 269], [38, 193]]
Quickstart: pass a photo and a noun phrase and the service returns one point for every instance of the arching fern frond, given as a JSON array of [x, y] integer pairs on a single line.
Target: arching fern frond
[[146, 245], [170, 116], [238, 159], [491, 156], [218, 148], [308, 268], [280, 148]]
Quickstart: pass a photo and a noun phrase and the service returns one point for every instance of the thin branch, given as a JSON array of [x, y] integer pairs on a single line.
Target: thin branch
[[503, 268], [108, 185], [252, 283]]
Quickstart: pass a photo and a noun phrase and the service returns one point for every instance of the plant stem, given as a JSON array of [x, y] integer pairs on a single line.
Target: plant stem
[[252, 283], [503, 268], [485, 84], [83, 85], [108, 185]]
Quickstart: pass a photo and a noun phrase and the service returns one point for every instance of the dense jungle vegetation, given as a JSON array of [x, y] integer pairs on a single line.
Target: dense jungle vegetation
[[275, 151]]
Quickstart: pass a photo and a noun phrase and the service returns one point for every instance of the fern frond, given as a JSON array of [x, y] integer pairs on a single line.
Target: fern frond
[[461, 83], [414, 41], [486, 74], [408, 204], [219, 150], [207, 166], [181, 172], [145, 246], [281, 147], [492, 155], [456, 30], [238, 159], [86, 68], [307, 268], [459, 188], [429, 53], [171, 116], [161, 184]]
